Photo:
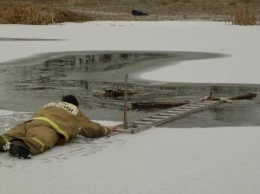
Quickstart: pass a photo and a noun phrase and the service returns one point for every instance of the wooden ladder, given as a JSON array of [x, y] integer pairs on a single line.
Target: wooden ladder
[[168, 115]]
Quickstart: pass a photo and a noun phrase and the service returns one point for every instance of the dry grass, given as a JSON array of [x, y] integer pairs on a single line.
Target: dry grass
[[75, 10], [28, 13], [244, 15]]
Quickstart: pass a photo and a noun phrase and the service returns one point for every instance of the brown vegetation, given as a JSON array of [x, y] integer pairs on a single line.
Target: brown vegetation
[[28, 13], [57, 11], [244, 15]]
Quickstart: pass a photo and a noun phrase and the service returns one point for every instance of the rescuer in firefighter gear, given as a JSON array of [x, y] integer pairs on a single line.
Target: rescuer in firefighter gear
[[54, 124]]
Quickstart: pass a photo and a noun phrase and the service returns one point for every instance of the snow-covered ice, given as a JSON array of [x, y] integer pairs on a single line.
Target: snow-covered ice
[[159, 160]]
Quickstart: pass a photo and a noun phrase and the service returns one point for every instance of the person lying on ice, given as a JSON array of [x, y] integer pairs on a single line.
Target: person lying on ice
[[54, 124]]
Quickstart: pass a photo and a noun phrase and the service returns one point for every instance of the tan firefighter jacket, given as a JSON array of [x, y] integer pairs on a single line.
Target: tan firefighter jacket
[[67, 120]]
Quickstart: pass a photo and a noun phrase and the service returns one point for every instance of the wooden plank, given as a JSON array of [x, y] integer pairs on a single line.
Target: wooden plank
[[142, 122], [150, 119], [125, 130], [167, 114], [158, 117], [173, 111], [188, 107]]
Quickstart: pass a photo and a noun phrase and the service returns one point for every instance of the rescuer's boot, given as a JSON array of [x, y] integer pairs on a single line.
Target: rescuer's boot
[[18, 148]]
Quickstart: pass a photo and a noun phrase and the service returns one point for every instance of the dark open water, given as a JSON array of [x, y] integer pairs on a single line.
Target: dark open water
[[27, 85]]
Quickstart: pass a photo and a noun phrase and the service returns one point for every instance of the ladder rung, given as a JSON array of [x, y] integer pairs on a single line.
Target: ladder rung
[[165, 114], [142, 122], [174, 111], [187, 107], [196, 105], [159, 117], [150, 119], [179, 110]]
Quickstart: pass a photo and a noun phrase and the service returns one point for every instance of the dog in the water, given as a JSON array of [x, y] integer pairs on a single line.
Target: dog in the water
[[210, 97]]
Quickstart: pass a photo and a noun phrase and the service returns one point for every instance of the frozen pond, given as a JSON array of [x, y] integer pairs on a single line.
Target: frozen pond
[[27, 85], [183, 158]]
